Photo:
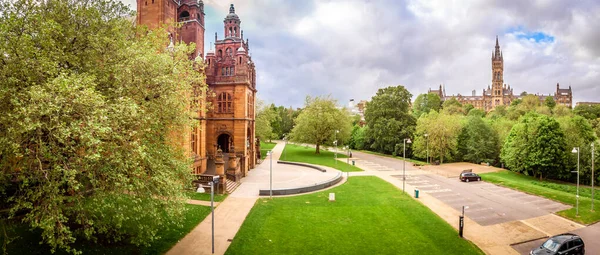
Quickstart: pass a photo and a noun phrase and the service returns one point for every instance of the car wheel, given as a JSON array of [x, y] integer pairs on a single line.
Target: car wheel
[[467, 180], [478, 179]]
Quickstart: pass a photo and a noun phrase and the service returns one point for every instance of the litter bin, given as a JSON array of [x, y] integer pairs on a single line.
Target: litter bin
[[352, 162], [416, 193]]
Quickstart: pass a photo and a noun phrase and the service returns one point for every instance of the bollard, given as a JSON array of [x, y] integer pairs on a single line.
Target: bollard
[[352, 162], [416, 193]]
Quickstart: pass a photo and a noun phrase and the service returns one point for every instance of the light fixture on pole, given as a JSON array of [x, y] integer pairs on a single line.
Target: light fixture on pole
[[406, 140], [593, 177], [427, 138], [461, 221], [335, 142], [576, 150], [270, 154], [284, 152], [214, 181]]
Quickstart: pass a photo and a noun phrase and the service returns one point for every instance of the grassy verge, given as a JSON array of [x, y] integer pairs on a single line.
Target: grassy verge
[[205, 196], [296, 153], [564, 193], [265, 147], [414, 161], [28, 242], [369, 216]]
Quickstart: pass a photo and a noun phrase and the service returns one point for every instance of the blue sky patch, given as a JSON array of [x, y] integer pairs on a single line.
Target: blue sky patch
[[522, 33]]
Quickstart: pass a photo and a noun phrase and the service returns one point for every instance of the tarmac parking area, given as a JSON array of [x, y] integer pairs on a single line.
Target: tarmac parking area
[[487, 203]]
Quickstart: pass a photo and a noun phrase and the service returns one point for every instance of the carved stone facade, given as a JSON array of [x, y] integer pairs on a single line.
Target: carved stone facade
[[228, 122], [500, 93]]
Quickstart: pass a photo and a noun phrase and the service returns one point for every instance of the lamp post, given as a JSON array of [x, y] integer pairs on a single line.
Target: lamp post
[[214, 181], [406, 140], [347, 154], [284, 152], [593, 177], [576, 150], [461, 221], [427, 138], [335, 143], [270, 154]]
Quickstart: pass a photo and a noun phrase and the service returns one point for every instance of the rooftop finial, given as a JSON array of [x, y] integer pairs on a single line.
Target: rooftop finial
[[497, 45], [231, 9]]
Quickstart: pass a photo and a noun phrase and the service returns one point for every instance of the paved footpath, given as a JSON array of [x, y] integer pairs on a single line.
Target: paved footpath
[[231, 213]]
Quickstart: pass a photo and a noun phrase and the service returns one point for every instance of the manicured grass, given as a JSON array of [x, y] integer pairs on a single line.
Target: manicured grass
[[296, 153], [561, 192], [369, 216], [265, 147], [414, 161], [27, 242], [205, 196]]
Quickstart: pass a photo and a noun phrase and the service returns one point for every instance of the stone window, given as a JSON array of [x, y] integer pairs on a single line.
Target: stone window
[[193, 142], [184, 16], [224, 103], [229, 52]]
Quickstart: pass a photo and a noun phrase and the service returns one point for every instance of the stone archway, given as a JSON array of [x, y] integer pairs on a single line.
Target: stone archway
[[224, 142]]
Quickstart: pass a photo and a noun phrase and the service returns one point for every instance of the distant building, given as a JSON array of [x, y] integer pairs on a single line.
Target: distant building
[[587, 103], [500, 93]]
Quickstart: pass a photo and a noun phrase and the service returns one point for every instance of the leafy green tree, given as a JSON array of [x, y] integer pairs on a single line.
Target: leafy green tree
[[318, 122], [549, 102], [501, 127], [453, 107], [468, 107], [357, 139], [442, 130], [426, 103], [389, 120], [264, 117], [498, 112], [589, 112], [562, 111], [536, 145], [579, 133], [476, 112], [94, 111], [477, 141]]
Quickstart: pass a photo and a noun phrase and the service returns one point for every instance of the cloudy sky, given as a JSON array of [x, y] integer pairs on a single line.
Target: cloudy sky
[[351, 48]]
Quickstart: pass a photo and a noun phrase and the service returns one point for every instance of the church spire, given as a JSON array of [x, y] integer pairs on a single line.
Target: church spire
[[497, 53]]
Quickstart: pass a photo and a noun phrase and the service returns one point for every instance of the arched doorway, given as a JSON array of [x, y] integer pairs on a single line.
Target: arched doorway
[[223, 142]]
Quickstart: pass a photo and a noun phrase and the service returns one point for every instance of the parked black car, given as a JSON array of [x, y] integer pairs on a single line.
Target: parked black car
[[468, 175], [564, 244]]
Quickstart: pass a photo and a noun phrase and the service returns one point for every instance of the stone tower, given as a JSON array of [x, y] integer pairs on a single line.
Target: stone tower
[[154, 13], [231, 75], [191, 16], [497, 76]]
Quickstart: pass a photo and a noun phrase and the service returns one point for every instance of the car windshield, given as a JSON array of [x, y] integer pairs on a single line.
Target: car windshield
[[551, 245]]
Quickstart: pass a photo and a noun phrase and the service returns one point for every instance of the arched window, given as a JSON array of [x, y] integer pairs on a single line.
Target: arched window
[[183, 16], [224, 103], [220, 54], [234, 31], [240, 60], [223, 71], [230, 32], [228, 51], [232, 71]]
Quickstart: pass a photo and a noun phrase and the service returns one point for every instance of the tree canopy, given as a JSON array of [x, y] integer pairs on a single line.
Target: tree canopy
[[389, 120], [477, 141], [321, 122], [426, 103], [94, 112]]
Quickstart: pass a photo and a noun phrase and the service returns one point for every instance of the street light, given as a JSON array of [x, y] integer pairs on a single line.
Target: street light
[[593, 176], [284, 152], [576, 150], [270, 154], [214, 181], [406, 140], [427, 138], [335, 143]]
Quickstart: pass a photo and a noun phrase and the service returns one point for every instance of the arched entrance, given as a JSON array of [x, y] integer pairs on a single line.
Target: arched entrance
[[223, 142]]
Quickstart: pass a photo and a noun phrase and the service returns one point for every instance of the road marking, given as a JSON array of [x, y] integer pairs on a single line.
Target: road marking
[[426, 186], [478, 210], [437, 190], [446, 195], [421, 181]]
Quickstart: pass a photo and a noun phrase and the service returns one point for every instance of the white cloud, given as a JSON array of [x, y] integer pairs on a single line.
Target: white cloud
[[350, 48]]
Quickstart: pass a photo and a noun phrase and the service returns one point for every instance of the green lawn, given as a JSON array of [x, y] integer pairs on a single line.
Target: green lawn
[[414, 161], [27, 242], [265, 147], [205, 196], [296, 153], [564, 193], [369, 216]]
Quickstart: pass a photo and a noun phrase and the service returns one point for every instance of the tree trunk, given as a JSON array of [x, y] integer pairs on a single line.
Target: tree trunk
[[318, 151]]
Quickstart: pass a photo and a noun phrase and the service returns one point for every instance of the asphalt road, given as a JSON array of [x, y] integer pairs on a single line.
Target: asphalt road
[[589, 234]]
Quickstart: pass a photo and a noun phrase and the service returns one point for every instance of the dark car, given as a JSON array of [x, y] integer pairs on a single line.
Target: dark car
[[468, 175], [564, 244]]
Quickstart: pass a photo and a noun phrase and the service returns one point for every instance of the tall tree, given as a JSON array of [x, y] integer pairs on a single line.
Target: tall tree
[[549, 102], [389, 120], [264, 117], [426, 103], [442, 130], [319, 121], [536, 145], [453, 106], [477, 141], [579, 133], [94, 112]]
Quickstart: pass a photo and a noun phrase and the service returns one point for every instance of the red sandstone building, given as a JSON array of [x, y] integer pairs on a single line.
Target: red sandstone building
[[500, 93], [223, 143]]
